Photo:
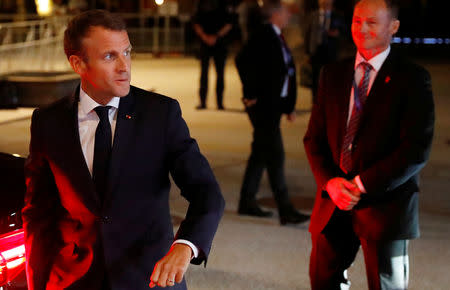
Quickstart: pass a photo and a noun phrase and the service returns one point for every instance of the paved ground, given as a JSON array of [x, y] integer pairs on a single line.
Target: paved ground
[[251, 253]]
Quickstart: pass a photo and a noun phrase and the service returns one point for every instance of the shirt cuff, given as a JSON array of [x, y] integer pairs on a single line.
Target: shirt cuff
[[360, 184], [191, 245]]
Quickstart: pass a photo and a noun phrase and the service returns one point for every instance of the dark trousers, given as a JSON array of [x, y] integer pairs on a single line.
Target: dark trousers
[[219, 55], [334, 250], [266, 152]]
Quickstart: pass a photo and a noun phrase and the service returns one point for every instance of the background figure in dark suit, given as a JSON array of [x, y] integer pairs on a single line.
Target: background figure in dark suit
[[323, 30], [267, 72], [250, 18], [212, 22], [369, 136], [96, 212]]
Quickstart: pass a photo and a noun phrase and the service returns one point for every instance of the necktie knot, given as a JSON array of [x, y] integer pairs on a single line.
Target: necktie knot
[[102, 112], [365, 66]]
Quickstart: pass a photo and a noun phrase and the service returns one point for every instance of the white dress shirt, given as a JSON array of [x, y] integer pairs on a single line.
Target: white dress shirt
[[376, 62], [87, 125], [286, 56]]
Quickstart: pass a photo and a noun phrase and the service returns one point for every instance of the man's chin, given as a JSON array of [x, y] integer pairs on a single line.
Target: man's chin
[[124, 91]]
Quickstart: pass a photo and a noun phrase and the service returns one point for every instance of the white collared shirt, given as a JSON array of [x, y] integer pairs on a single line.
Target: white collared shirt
[[87, 125], [284, 89], [376, 62], [88, 121]]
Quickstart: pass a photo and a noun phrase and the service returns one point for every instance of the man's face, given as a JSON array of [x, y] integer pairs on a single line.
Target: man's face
[[282, 16], [326, 4], [372, 27], [105, 67]]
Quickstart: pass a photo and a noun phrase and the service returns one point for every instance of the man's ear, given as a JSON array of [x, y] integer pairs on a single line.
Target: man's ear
[[395, 24], [77, 64]]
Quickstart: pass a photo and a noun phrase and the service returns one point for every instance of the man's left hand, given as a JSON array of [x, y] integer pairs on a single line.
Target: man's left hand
[[170, 269]]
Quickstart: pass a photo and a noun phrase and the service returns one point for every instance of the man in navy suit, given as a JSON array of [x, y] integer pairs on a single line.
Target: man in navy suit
[[267, 71], [369, 135], [96, 212]]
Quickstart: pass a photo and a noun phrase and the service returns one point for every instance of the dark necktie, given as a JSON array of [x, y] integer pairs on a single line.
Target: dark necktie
[[360, 95], [102, 150]]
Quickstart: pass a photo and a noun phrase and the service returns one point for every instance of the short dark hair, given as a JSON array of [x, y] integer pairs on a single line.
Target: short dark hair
[[79, 27]]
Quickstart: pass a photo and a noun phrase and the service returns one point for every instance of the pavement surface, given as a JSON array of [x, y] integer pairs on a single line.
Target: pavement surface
[[252, 253]]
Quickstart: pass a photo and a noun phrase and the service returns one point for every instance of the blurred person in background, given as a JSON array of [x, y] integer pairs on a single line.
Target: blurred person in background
[[267, 72], [324, 29], [212, 23]]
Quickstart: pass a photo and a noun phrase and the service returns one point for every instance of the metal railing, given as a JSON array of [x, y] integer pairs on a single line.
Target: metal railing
[[37, 45], [34, 45]]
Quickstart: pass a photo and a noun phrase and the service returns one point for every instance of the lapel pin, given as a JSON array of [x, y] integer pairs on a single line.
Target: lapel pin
[[128, 117], [387, 79]]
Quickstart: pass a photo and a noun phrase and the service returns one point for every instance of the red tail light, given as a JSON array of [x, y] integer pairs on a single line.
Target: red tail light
[[12, 255]]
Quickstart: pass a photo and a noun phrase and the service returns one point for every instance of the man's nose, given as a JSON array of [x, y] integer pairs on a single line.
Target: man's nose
[[122, 64]]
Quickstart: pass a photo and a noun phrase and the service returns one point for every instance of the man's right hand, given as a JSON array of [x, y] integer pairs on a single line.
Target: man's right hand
[[344, 193]]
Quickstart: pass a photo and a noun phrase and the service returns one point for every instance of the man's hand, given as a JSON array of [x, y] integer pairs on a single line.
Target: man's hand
[[345, 194], [172, 267], [291, 117], [209, 39], [249, 102]]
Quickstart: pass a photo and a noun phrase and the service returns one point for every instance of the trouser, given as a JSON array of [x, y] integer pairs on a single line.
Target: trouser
[[219, 54], [334, 250], [266, 152]]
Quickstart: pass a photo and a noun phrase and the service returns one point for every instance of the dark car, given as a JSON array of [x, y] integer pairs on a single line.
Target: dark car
[[12, 248]]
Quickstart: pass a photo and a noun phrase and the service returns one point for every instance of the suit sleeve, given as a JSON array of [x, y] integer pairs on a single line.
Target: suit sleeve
[[416, 134], [193, 175], [249, 65], [40, 213], [315, 140]]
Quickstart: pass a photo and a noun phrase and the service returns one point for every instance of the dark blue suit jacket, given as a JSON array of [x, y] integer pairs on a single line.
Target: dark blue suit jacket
[[72, 236]]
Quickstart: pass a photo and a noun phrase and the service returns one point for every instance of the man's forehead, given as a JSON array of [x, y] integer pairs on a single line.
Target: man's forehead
[[104, 37], [370, 8]]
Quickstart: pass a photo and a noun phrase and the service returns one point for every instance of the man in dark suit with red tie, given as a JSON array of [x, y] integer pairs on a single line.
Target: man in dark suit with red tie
[[96, 212], [267, 72], [369, 136]]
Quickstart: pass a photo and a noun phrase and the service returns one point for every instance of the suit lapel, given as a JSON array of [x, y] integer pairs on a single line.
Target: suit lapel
[[76, 168], [344, 100], [378, 92], [126, 118]]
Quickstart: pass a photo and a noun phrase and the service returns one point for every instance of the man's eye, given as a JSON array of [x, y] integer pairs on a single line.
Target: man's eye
[[127, 52], [108, 56]]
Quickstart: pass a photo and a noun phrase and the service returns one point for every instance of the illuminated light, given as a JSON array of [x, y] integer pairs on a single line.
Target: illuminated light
[[396, 40], [12, 225], [12, 214], [44, 7], [406, 40], [447, 41], [16, 155], [15, 263], [16, 252], [159, 2], [429, 41], [440, 41]]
